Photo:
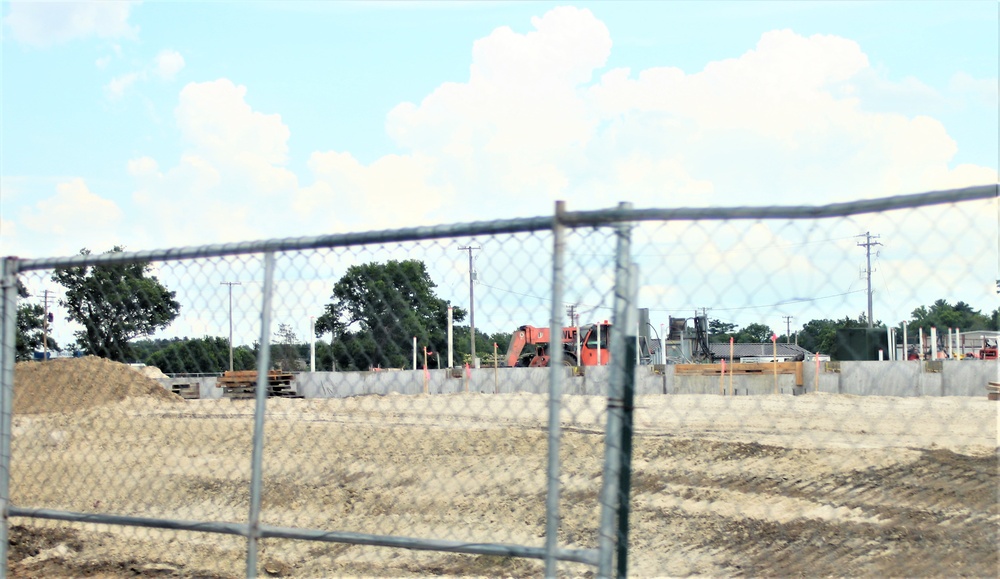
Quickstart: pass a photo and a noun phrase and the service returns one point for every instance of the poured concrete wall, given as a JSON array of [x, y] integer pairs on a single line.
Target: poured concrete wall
[[206, 385], [906, 378]]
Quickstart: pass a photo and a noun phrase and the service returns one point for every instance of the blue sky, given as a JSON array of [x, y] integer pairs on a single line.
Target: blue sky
[[141, 123]]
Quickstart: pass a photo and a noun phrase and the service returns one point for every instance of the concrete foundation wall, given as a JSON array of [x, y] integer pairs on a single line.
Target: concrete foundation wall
[[906, 378], [206, 385]]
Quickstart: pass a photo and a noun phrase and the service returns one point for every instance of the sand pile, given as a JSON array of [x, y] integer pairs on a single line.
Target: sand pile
[[69, 384]]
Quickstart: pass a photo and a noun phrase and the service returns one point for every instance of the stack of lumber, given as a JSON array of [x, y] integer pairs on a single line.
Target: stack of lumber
[[993, 390], [762, 369], [243, 384], [187, 391]]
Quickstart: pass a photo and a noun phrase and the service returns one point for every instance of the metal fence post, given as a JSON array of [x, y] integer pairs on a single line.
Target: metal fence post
[[8, 352], [608, 531], [628, 405], [257, 459], [556, 372]]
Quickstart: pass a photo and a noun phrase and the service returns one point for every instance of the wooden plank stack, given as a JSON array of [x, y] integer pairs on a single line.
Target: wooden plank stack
[[242, 384], [187, 391], [762, 369], [993, 391]]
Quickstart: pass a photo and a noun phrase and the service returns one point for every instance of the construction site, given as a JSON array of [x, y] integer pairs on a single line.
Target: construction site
[[818, 484]]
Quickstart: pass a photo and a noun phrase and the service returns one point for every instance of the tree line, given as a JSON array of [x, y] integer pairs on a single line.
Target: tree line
[[375, 310]]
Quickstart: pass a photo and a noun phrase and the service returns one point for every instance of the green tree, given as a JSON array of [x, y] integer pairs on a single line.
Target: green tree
[[754, 333], [821, 335], [942, 315], [719, 331], [200, 355], [286, 354], [115, 303], [144, 348], [30, 333], [377, 309], [818, 335], [463, 346], [502, 340]]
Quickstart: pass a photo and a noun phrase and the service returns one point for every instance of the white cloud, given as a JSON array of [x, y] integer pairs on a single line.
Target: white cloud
[[44, 24], [142, 166], [232, 169], [391, 191], [168, 63], [165, 67], [119, 84], [986, 91], [793, 120], [73, 218], [784, 122]]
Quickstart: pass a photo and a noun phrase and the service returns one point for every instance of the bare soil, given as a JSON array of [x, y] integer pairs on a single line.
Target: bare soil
[[817, 485]]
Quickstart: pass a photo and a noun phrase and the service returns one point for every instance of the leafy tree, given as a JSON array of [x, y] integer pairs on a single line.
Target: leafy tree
[[942, 315], [30, 333], [115, 303], [376, 309], [754, 333], [484, 346], [719, 331], [201, 355], [286, 353], [821, 335], [502, 340]]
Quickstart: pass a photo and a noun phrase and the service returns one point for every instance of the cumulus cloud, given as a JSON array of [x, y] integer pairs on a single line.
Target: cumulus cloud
[[540, 118], [43, 24], [168, 63], [164, 66], [985, 91], [792, 120], [232, 169], [217, 122], [72, 218], [119, 84]]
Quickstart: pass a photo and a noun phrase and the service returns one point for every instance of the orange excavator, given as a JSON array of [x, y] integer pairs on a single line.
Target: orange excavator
[[530, 346]]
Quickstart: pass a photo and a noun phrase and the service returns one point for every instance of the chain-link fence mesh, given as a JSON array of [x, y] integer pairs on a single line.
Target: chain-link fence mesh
[[389, 449]]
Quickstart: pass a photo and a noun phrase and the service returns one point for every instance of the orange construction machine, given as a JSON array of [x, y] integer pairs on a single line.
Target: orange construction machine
[[531, 346], [989, 351]]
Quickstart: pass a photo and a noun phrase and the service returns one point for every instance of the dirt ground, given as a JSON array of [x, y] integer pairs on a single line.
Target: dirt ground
[[817, 485]]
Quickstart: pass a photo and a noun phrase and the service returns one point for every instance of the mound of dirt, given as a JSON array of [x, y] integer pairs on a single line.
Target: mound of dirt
[[70, 384], [150, 372]]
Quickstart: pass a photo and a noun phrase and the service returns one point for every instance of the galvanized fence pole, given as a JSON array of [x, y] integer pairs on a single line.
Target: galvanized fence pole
[[556, 372], [628, 409], [608, 531], [257, 458], [8, 353]]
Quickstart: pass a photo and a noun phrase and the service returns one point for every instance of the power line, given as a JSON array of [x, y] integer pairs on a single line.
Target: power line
[[781, 303]]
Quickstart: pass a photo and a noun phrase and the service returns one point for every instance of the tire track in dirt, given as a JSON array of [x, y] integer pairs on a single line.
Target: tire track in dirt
[[935, 515]]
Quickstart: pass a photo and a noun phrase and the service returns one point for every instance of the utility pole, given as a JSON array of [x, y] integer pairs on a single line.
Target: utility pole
[[788, 328], [868, 270], [472, 302], [571, 312], [230, 284]]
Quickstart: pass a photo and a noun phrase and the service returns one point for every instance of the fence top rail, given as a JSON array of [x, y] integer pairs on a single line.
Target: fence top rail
[[592, 218], [845, 209]]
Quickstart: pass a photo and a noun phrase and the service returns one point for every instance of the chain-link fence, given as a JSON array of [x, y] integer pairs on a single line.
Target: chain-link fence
[[652, 392]]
